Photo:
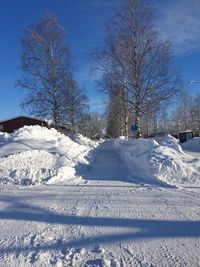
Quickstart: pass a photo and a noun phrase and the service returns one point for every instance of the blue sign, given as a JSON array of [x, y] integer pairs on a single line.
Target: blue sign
[[134, 127]]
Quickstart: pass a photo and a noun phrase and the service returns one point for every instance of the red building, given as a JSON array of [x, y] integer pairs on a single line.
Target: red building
[[14, 123]]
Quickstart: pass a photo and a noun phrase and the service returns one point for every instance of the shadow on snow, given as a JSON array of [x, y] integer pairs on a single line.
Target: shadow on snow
[[137, 229]]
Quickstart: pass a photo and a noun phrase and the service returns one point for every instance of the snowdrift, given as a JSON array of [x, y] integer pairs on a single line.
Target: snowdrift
[[192, 145], [161, 159], [34, 155]]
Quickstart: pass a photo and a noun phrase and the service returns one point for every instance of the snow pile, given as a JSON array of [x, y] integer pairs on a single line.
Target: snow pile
[[192, 145], [37, 133], [161, 159], [35, 154], [122, 137], [3, 137], [81, 140], [169, 141]]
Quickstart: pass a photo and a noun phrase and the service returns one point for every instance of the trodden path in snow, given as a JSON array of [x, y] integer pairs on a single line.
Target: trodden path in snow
[[107, 165], [102, 222]]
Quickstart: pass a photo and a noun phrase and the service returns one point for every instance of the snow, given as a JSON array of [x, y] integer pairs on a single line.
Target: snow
[[34, 155], [99, 224], [192, 146], [159, 159], [91, 207]]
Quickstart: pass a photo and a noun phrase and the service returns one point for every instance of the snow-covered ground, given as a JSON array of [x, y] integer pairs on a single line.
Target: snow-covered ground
[[161, 159], [106, 213], [192, 147], [101, 223], [34, 155]]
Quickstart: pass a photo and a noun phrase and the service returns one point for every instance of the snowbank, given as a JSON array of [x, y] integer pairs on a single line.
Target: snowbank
[[169, 141], [161, 159], [3, 137], [35, 154], [192, 145], [81, 140]]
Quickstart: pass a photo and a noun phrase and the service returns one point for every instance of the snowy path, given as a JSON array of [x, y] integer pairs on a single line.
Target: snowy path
[[107, 165], [103, 222]]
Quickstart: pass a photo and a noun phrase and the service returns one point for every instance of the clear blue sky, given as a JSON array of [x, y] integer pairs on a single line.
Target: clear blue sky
[[84, 22]]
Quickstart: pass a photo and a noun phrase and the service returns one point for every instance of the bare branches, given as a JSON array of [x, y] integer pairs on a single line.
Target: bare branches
[[136, 61], [47, 73]]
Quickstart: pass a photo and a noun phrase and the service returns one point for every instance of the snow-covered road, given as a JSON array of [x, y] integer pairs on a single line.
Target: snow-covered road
[[104, 221]]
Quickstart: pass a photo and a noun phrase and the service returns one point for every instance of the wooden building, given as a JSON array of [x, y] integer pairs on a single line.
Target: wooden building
[[11, 124]]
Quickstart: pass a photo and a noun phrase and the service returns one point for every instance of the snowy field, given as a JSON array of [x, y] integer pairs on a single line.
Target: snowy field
[[73, 202]]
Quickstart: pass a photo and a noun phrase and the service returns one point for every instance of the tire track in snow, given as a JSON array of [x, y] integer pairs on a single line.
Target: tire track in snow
[[170, 256], [133, 258]]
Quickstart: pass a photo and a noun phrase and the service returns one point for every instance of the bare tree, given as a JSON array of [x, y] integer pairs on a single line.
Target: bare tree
[[137, 60], [195, 114], [164, 120], [92, 125], [47, 72], [117, 113], [182, 116], [75, 104]]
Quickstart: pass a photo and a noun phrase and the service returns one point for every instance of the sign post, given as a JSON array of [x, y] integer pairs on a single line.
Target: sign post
[[134, 128]]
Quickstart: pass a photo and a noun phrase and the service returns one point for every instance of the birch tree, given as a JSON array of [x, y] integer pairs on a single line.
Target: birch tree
[[75, 104], [196, 114], [182, 115], [136, 59], [47, 75]]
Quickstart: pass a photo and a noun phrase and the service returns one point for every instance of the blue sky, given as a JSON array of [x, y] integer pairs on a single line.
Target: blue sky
[[84, 22]]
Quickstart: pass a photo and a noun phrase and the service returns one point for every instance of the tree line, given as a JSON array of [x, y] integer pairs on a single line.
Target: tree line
[[185, 115]]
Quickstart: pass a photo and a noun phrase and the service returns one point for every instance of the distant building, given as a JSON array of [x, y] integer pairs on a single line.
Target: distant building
[[185, 135], [11, 124]]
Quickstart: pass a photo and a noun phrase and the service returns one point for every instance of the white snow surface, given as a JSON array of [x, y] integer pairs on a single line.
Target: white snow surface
[[192, 146], [112, 218], [161, 158], [34, 155]]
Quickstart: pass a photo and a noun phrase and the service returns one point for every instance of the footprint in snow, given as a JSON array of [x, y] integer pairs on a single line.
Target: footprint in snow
[[98, 249]]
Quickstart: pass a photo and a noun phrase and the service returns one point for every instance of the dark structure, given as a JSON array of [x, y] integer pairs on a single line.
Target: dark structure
[[63, 129], [14, 123], [185, 135]]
